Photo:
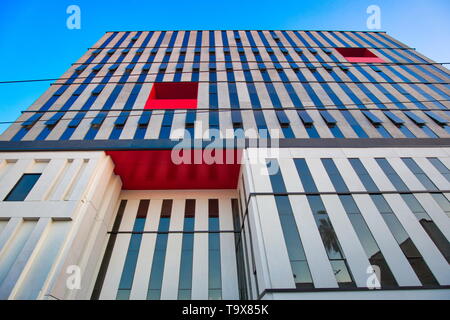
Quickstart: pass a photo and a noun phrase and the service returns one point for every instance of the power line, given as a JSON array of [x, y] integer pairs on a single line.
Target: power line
[[222, 109], [217, 71]]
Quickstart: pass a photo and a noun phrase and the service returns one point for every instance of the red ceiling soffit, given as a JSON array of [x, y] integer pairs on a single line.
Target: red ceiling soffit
[[154, 170]]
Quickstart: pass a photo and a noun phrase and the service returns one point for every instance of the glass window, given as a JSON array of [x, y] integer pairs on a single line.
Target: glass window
[[367, 240], [276, 179], [443, 202], [392, 175], [185, 280], [335, 176], [159, 256], [305, 175], [330, 242], [214, 261], [129, 268], [299, 265], [23, 187], [440, 167], [428, 225], [363, 175], [404, 241], [420, 175]]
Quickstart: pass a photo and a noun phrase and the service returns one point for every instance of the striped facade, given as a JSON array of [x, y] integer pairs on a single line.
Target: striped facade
[[344, 166]]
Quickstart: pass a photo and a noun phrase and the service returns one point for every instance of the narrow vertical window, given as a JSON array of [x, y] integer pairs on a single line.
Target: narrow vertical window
[[440, 167], [335, 176], [297, 257], [185, 281], [363, 175], [331, 242], [367, 241], [159, 256], [443, 202], [294, 246], [392, 175], [23, 187], [305, 175], [420, 175], [428, 225], [240, 263], [214, 261], [404, 241], [129, 268]]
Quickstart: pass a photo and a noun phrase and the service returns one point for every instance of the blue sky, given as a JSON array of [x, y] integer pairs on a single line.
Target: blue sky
[[35, 42]]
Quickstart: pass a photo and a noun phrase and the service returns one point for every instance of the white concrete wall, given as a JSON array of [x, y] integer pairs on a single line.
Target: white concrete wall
[[58, 224]]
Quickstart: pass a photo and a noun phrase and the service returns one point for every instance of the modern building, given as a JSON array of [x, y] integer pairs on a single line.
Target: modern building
[[231, 165]]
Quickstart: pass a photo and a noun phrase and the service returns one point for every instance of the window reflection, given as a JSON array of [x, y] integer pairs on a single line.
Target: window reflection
[[404, 241], [159, 256], [331, 242]]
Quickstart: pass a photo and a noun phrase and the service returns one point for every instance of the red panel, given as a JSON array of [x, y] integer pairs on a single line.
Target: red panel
[[173, 95], [154, 170], [359, 55]]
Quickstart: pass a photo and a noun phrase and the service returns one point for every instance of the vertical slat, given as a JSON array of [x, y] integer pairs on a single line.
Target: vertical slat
[[435, 212], [200, 254], [279, 267], [227, 251], [316, 256], [438, 179], [13, 175], [353, 250], [435, 261], [169, 288], [319, 175], [66, 180], [16, 272], [399, 265], [377, 174], [45, 182], [116, 264]]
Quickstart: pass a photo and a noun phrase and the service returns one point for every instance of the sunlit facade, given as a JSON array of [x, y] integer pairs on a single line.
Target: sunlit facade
[[329, 176]]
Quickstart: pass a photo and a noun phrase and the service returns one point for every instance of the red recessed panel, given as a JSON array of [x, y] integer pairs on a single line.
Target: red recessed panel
[[154, 170], [173, 95], [359, 55]]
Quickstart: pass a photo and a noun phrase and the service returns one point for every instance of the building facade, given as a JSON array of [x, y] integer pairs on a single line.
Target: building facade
[[231, 165]]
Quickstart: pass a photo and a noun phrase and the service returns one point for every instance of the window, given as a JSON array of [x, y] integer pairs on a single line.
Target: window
[[391, 174], [185, 280], [331, 242], [297, 257], [159, 256], [420, 175], [214, 261], [363, 175], [443, 202], [404, 241], [428, 225], [358, 55], [367, 240], [23, 187], [335, 176], [440, 167], [173, 95], [129, 268], [305, 175]]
